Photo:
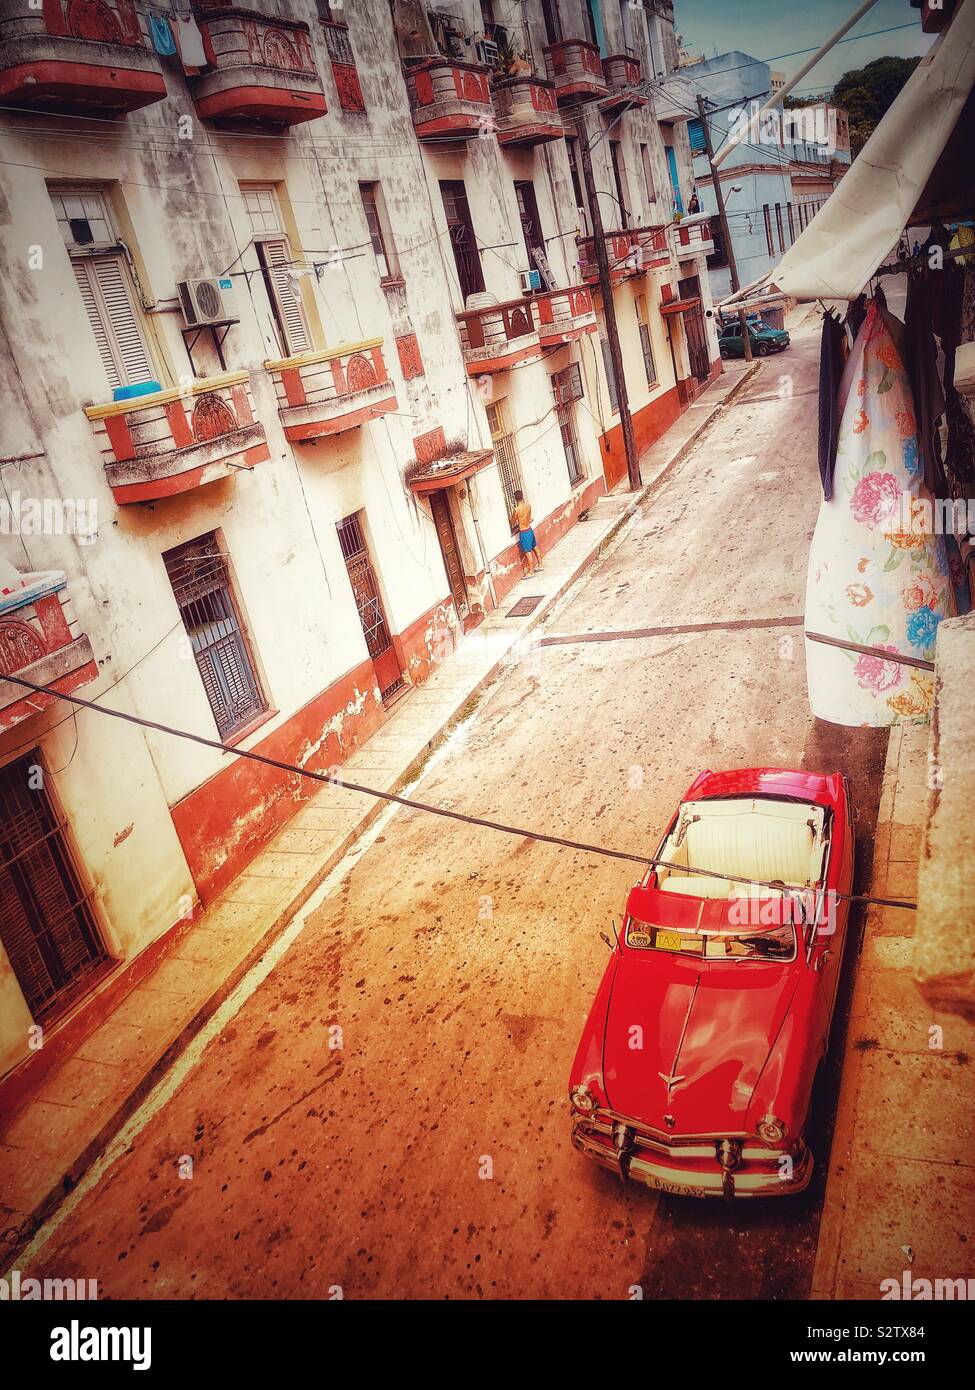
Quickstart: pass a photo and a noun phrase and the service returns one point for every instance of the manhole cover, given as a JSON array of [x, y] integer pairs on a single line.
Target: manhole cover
[[525, 605]]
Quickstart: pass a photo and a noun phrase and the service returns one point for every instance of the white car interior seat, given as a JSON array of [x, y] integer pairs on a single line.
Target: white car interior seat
[[751, 838]]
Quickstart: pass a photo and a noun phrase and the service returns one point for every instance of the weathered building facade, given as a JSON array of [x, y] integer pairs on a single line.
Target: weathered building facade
[[776, 180], [294, 299]]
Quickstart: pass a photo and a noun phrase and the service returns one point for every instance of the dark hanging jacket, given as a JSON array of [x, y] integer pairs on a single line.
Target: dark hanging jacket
[[831, 362]]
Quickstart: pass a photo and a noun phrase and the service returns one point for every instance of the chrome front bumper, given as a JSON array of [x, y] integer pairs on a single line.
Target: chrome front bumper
[[697, 1176]]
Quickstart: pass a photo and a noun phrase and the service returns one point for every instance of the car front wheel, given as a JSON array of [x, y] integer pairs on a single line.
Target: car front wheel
[[761, 349]]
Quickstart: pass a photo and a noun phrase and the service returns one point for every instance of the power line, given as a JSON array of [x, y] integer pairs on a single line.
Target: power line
[[414, 805]]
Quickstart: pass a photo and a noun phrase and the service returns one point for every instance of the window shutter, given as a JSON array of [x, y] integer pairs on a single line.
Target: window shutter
[[98, 327], [110, 276], [111, 313], [614, 400], [289, 305], [567, 384]]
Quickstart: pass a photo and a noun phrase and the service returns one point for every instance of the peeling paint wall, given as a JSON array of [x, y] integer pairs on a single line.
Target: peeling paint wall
[[156, 820]]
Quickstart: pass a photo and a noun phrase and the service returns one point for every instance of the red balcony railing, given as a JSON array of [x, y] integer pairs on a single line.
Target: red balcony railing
[[574, 67], [173, 441], [622, 73], [328, 392], [260, 69], [39, 641], [450, 100], [562, 316], [693, 239], [526, 111], [76, 57], [496, 336], [623, 251]]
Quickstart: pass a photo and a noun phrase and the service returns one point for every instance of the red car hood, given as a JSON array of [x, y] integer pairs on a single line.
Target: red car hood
[[707, 1031]]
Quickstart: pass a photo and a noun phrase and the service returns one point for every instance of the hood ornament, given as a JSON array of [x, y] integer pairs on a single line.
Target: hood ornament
[[670, 1081]]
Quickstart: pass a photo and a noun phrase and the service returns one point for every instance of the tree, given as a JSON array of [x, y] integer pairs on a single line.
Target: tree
[[866, 93]]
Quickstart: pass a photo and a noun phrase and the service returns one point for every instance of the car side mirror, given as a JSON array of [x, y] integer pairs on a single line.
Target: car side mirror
[[603, 937]]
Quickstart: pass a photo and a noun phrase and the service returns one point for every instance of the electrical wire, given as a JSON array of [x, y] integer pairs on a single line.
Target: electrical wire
[[413, 804]]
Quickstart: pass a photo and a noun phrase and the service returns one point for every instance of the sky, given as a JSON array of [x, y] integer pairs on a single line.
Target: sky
[[766, 28]]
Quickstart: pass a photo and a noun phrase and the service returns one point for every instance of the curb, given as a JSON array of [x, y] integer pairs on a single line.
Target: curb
[[832, 1220], [157, 1070]]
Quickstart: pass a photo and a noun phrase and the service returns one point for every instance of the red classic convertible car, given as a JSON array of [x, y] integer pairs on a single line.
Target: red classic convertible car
[[695, 1069]]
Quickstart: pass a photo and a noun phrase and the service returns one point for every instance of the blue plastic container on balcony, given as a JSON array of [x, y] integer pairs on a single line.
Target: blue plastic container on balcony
[[136, 388]]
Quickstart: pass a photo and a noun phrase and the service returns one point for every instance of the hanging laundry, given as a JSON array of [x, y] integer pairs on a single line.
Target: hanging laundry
[[921, 363], [832, 358], [190, 41], [162, 35], [877, 578]]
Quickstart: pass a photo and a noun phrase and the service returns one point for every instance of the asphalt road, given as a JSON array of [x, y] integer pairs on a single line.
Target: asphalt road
[[428, 1155]]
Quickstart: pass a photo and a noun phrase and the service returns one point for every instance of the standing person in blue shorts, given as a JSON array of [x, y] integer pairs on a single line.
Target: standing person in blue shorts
[[521, 521]]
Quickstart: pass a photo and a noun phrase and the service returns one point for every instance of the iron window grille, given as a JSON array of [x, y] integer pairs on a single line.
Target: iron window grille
[[505, 454], [355, 553], [47, 925], [201, 583], [565, 414]]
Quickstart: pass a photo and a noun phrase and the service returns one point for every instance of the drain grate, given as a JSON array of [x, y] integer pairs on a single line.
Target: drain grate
[[525, 605]]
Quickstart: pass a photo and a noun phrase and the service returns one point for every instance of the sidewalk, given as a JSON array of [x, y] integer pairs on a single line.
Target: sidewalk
[[898, 1190], [76, 1109]]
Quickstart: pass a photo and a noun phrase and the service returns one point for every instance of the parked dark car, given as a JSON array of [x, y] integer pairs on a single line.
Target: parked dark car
[[765, 339]]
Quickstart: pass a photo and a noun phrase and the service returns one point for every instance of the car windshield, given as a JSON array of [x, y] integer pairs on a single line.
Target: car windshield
[[774, 942]]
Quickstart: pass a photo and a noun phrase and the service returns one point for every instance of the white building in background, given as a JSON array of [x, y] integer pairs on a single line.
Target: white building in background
[[287, 317], [775, 183]]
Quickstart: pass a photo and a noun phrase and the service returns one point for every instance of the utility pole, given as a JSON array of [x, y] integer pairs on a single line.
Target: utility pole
[[702, 107], [609, 311]]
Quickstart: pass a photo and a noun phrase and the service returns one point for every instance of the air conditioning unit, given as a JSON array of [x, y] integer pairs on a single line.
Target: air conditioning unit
[[531, 281], [207, 301]]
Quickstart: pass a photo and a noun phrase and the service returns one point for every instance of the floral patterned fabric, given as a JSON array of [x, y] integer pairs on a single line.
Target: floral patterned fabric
[[876, 578]]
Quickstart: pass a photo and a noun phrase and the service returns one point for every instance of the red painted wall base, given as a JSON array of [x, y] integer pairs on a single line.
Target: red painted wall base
[[648, 425]]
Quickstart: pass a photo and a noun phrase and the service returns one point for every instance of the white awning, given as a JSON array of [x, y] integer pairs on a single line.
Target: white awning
[[896, 181]]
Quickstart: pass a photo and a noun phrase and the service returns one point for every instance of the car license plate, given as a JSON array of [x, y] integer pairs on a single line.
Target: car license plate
[[668, 941], [675, 1189]]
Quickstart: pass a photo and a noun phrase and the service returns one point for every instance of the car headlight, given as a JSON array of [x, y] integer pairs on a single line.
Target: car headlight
[[582, 1099], [771, 1129]]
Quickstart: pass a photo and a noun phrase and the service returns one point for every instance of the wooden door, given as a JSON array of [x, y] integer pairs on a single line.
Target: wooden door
[[368, 602], [447, 537]]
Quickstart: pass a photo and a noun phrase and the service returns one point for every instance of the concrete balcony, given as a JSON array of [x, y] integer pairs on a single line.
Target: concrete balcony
[[496, 336], [329, 392], [675, 98], [526, 112], [76, 58], [40, 642], [624, 251], [173, 441], [622, 73], [574, 68], [654, 247], [450, 100], [692, 237], [261, 70], [562, 316]]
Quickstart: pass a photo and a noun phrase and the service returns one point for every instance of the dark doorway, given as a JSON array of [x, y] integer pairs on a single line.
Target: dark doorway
[[697, 338], [531, 226], [447, 536], [466, 255], [368, 601], [47, 926], [553, 24]]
